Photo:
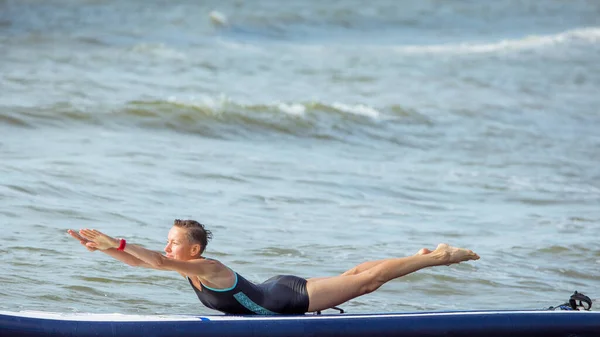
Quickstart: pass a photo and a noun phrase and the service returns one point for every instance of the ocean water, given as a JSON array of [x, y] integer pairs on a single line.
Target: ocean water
[[309, 136]]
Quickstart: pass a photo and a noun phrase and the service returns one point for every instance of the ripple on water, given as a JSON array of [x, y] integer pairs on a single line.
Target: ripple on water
[[576, 274], [102, 280], [35, 250], [571, 251], [85, 290], [278, 251]]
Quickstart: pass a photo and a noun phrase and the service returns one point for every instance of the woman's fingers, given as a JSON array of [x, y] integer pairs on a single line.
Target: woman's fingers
[[97, 234], [75, 235], [88, 234], [90, 246], [81, 239], [99, 240]]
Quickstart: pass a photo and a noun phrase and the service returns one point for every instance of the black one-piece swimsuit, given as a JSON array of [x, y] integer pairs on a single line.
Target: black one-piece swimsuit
[[281, 294]]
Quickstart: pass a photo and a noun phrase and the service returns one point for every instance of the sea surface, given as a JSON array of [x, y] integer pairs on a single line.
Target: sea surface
[[309, 136]]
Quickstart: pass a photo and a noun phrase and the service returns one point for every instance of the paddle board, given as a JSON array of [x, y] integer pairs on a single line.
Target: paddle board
[[460, 323]]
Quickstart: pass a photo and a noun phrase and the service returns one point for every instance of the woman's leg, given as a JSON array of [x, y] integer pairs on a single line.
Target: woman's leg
[[366, 265], [324, 293], [370, 264]]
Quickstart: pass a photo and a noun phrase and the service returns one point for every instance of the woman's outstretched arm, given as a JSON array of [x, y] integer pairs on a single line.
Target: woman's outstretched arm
[[112, 252], [197, 267]]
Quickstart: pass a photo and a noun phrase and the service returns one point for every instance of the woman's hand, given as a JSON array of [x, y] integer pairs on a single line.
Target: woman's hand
[[98, 240], [84, 242]]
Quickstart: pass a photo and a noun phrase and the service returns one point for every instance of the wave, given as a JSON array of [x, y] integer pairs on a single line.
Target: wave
[[208, 106], [580, 37], [583, 35], [223, 117]]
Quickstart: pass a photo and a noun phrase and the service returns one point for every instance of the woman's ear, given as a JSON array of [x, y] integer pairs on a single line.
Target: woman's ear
[[196, 249]]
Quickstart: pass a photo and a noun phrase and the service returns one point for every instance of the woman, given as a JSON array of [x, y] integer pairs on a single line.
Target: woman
[[220, 288]]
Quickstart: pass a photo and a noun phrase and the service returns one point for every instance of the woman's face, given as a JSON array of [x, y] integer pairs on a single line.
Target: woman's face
[[179, 247]]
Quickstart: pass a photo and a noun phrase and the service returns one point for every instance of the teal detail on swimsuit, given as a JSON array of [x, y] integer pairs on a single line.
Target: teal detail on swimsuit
[[226, 289], [250, 305]]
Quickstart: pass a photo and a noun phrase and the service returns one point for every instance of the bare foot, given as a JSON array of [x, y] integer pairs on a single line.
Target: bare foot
[[423, 251], [98, 239], [450, 255]]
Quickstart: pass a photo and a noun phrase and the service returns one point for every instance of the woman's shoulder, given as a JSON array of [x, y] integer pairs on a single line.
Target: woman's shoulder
[[213, 264]]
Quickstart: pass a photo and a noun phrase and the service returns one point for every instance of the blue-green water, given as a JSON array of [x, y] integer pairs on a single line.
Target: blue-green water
[[309, 136]]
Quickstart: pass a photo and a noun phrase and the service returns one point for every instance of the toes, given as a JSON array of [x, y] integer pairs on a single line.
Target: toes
[[473, 255]]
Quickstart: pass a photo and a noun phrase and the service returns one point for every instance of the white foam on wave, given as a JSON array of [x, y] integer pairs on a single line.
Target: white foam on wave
[[214, 105], [217, 105], [294, 109], [245, 46], [585, 35], [358, 109], [158, 50]]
